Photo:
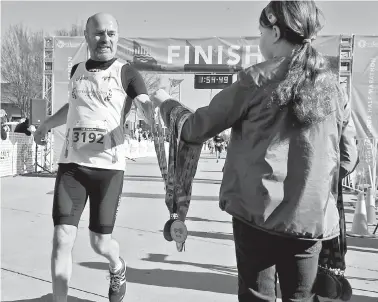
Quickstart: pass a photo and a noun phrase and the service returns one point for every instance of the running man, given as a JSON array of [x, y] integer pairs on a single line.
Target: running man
[[218, 143], [92, 163]]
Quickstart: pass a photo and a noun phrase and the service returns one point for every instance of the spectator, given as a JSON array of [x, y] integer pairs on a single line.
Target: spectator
[[218, 143], [23, 127], [3, 132], [4, 127]]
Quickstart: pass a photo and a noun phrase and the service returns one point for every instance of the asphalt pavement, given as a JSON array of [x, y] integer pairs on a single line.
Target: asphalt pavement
[[156, 272]]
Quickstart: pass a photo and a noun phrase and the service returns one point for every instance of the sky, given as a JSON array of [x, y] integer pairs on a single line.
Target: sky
[[189, 19]]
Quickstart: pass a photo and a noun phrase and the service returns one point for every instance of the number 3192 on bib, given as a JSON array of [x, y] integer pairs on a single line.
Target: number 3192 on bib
[[91, 137]]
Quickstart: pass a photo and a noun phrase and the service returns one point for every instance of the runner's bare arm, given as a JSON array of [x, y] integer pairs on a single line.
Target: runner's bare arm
[[59, 118], [134, 85], [144, 105]]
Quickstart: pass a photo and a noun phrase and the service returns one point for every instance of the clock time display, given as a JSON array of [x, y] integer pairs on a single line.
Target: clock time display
[[212, 81]]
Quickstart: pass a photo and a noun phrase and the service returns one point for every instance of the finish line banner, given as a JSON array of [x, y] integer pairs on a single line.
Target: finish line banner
[[365, 86], [192, 55], [202, 54]]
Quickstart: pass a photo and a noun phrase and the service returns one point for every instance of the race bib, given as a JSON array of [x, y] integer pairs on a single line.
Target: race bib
[[93, 137]]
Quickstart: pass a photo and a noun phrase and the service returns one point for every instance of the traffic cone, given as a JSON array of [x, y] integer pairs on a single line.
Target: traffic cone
[[360, 225], [370, 206]]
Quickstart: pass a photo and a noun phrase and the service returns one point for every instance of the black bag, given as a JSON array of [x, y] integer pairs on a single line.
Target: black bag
[[331, 282]]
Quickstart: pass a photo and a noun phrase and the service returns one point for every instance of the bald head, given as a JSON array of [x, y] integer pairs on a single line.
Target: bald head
[[100, 18], [101, 34]]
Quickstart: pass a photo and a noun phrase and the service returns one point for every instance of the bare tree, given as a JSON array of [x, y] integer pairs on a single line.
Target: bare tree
[[21, 66], [174, 88], [75, 30], [152, 81]]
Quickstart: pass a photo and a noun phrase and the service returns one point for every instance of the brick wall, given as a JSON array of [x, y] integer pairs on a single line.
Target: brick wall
[[17, 155]]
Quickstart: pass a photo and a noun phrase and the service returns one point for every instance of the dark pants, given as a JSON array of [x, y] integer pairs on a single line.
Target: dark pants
[[262, 257], [334, 250]]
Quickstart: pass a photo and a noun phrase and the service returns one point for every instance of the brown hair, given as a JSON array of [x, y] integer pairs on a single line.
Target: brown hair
[[299, 23]]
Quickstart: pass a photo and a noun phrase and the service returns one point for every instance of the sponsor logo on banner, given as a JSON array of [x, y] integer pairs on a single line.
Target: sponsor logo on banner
[[365, 86], [68, 44], [366, 44], [371, 93]]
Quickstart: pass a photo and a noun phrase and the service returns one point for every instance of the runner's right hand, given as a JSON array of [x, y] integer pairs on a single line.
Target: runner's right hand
[[159, 96], [40, 134]]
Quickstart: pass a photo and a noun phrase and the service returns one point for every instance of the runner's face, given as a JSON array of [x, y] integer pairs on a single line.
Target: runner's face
[[102, 38]]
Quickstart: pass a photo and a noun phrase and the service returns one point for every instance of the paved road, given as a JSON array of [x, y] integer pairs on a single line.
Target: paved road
[[156, 271]]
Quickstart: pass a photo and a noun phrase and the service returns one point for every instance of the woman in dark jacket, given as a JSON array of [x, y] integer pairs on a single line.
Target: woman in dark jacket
[[289, 119]]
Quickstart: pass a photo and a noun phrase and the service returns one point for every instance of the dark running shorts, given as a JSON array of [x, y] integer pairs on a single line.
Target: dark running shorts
[[74, 184]]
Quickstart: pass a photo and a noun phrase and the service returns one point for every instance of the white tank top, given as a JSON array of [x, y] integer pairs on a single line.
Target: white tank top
[[95, 133]]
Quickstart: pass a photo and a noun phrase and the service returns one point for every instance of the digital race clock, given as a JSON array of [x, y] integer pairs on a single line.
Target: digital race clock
[[212, 81]]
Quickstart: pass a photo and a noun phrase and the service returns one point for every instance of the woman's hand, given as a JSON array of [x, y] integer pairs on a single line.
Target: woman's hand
[[159, 96]]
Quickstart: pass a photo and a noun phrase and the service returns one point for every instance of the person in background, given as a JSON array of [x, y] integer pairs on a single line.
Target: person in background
[[4, 128], [23, 127], [218, 145]]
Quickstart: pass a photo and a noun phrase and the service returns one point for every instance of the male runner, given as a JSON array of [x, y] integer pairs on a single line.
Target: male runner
[[218, 142], [92, 162]]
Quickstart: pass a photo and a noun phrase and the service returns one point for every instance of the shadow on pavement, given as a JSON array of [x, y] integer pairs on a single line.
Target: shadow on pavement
[[211, 235], [48, 298], [223, 280], [363, 279], [159, 178], [198, 219], [355, 298], [162, 258], [202, 281], [355, 242], [162, 196], [352, 248], [351, 211], [158, 196]]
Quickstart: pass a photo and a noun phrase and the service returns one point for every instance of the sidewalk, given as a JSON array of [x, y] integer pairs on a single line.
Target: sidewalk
[[156, 271]]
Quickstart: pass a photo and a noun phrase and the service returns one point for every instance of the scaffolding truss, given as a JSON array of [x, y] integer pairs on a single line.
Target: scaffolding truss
[[45, 163]]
